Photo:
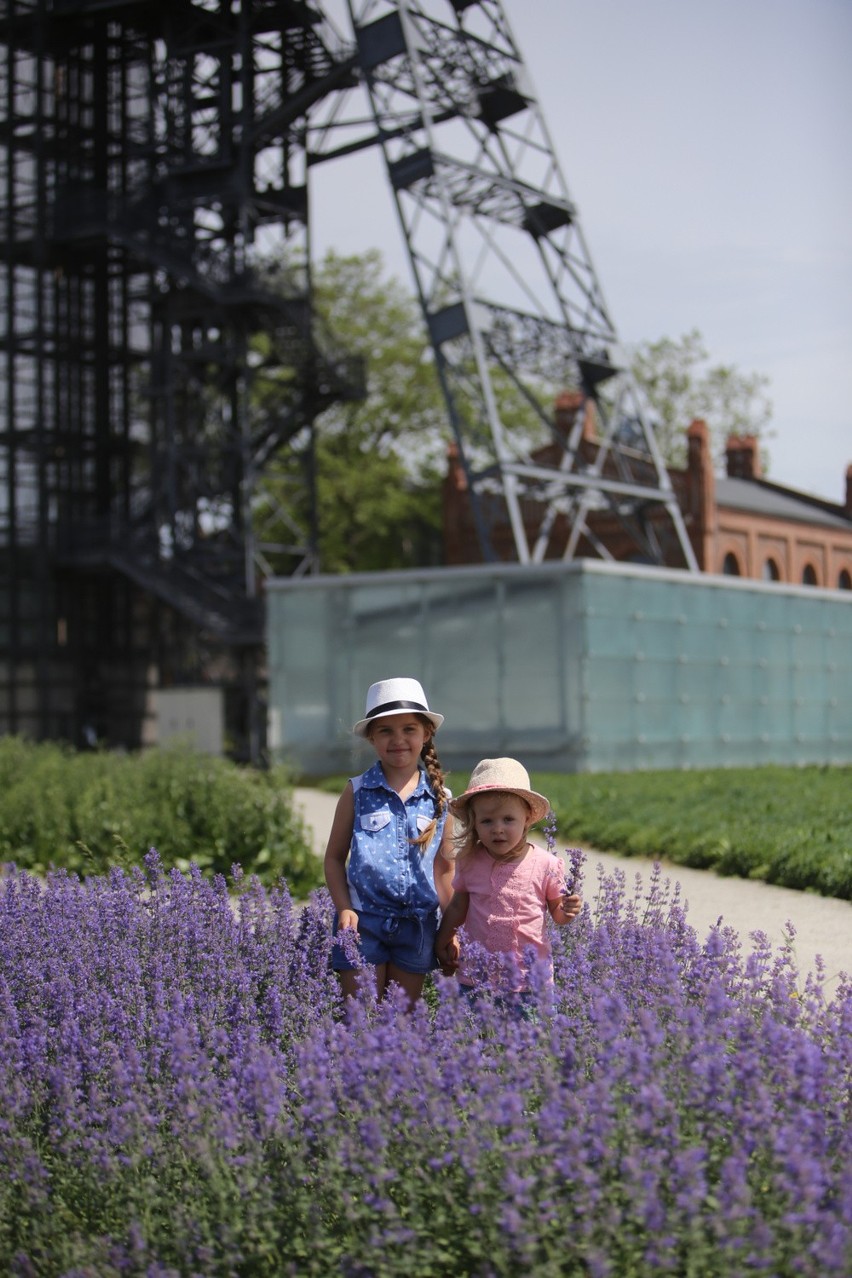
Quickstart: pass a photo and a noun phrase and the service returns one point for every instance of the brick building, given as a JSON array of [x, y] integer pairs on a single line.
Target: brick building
[[740, 524]]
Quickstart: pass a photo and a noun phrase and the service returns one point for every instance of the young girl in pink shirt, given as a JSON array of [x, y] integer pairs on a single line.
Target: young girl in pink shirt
[[504, 886]]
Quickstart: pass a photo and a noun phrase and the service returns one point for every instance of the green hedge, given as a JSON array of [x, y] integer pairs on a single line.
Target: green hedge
[[791, 826], [87, 811]]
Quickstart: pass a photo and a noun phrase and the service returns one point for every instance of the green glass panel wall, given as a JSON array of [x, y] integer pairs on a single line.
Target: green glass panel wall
[[581, 667]]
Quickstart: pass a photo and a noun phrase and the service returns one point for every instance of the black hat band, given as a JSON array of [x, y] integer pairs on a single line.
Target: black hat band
[[396, 705]]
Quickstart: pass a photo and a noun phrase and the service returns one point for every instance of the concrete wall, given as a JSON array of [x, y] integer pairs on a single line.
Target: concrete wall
[[588, 666]]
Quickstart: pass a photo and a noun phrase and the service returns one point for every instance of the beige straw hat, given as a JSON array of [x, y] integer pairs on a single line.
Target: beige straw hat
[[505, 776]]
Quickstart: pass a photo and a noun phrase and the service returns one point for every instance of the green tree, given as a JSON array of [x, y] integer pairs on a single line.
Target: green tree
[[377, 463], [371, 472], [365, 484], [680, 386]]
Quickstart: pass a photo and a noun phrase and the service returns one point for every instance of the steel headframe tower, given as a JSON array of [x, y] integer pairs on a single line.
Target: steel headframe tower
[[507, 287]]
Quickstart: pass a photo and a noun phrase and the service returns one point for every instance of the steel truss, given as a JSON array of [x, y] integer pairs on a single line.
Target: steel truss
[[506, 283]]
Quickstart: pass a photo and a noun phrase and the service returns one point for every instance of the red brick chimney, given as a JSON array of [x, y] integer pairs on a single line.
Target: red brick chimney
[[458, 534], [742, 457], [565, 409], [456, 478], [565, 413], [700, 494]]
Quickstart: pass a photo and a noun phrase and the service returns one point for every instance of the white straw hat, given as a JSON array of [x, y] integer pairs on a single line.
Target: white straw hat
[[395, 696], [505, 776]]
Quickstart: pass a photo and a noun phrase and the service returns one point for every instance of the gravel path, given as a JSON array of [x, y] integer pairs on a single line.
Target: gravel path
[[823, 924]]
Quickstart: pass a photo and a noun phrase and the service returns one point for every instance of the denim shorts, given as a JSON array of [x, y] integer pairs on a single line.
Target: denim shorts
[[406, 940]]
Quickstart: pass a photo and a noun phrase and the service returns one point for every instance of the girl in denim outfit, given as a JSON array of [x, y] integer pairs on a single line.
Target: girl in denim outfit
[[387, 862]]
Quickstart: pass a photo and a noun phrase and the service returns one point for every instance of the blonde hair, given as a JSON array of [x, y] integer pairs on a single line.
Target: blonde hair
[[464, 832], [435, 773]]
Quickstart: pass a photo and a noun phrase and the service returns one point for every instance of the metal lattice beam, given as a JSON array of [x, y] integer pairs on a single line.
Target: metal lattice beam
[[504, 276]]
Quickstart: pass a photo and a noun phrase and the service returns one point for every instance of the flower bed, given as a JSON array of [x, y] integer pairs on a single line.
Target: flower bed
[[180, 1094]]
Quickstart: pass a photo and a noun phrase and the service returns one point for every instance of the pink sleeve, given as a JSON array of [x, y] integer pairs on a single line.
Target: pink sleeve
[[555, 883]]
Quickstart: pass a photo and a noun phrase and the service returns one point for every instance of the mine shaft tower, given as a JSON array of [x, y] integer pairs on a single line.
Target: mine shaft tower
[[508, 290], [148, 150]]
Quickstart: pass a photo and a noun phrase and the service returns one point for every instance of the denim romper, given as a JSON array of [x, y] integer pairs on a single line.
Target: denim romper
[[391, 880]]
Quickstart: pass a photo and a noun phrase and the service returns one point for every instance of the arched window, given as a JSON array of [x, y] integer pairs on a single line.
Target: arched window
[[731, 567], [844, 580], [809, 577], [770, 571]]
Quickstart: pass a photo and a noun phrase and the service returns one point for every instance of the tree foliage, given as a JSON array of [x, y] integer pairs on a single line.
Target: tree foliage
[[680, 386], [364, 486], [377, 463]]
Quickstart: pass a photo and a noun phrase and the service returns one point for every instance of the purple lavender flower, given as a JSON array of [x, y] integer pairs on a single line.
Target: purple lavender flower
[[179, 1092]]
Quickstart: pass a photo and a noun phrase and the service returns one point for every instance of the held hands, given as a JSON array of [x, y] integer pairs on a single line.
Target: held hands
[[447, 952]]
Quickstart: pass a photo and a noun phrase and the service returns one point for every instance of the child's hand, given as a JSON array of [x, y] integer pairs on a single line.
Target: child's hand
[[448, 955], [347, 918], [570, 904]]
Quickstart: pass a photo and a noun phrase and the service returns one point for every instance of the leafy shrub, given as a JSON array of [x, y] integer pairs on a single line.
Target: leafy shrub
[[180, 1094], [85, 812]]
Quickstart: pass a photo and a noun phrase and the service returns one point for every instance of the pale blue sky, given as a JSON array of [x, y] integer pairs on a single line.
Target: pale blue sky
[[708, 148]]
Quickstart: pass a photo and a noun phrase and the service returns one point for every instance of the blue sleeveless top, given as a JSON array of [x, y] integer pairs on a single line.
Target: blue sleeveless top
[[386, 872]]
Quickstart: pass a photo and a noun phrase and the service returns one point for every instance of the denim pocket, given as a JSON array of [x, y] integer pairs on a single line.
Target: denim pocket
[[373, 821]]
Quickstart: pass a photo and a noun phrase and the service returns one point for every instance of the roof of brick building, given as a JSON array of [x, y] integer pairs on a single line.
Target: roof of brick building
[[762, 498]]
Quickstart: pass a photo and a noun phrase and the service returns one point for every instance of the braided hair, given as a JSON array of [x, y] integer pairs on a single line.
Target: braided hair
[[435, 773]]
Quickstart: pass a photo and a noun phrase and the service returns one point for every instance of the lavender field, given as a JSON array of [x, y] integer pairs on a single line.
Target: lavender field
[[181, 1094]]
